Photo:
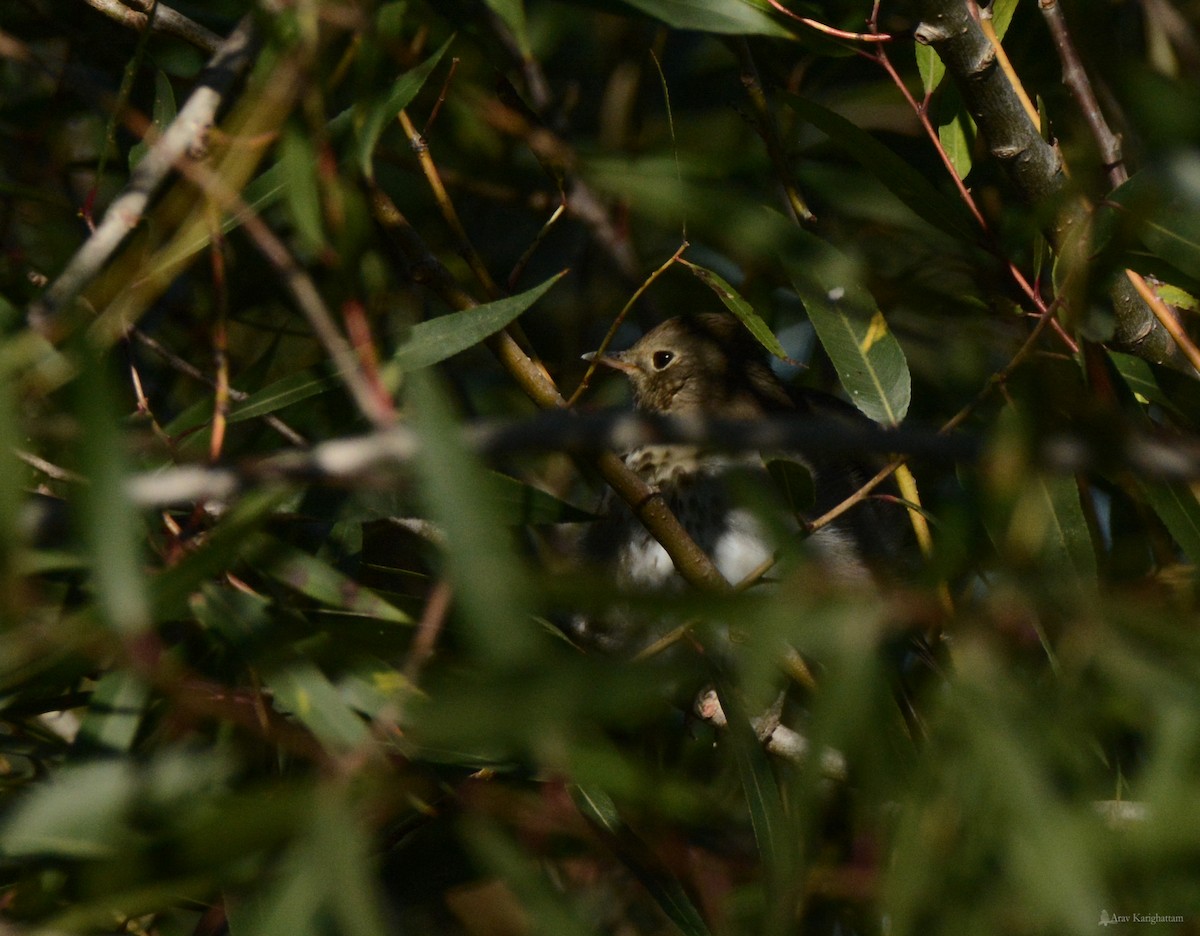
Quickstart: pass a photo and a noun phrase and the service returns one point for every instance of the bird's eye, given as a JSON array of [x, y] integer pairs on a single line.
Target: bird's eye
[[661, 359]]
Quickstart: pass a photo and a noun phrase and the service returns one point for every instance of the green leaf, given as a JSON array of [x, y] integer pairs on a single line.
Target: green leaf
[[371, 118], [957, 144], [324, 882], [77, 813], [114, 712], [739, 307], [437, 339], [302, 691], [901, 179], [162, 114], [298, 161], [853, 332], [734, 17], [112, 528], [1066, 540], [598, 808], [776, 847], [513, 14], [795, 483], [283, 392], [1002, 14], [931, 68], [522, 504], [318, 580], [490, 587], [1163, 203], [1176, 506]]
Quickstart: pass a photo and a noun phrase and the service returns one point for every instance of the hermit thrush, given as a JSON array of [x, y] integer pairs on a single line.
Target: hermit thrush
[[710, 366]]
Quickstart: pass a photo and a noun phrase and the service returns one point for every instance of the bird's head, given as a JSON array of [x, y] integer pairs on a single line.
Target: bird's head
[[706, 364]]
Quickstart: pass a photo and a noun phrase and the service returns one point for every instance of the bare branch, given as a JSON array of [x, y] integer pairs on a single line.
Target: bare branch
[[166, 20], [185, 134]]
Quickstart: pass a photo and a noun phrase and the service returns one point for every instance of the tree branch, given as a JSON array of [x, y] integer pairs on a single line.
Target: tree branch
[[185, 134], [1033, 166]]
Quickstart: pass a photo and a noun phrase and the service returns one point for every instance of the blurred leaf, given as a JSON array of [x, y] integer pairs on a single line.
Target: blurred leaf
[[776, 846], [735, 17], [112, 529], [795, 483], [162, 114], [1141, 379], [318, 580], [303, 691], [906, 183], [114, 712], [79, 812], [513, 14], [323, 884], [372, 117], [435, 340], [868, 359], [1179, 511], [541, 900], [598, 808], [522, 504], [739, 307], [298, 162], [490, 587]]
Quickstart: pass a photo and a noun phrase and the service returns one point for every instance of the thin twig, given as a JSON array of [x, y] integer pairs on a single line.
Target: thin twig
[[1076, 79], [765, 122], [873, 37], [612, 330], [186, 367]]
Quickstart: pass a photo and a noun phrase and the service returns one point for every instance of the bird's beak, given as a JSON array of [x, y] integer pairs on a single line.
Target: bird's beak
[[615, 360]]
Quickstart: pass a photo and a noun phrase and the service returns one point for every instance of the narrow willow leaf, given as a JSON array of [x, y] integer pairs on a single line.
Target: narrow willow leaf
[[739, 307], [111, 527], [733, 17], [901, 179], [284, 392], [776, 847], [1164, 204], [298, 161], [598, 808], [437, 339], [1047, 522], [513, 14], [490, 587], [1179, 511], [114, 712], [853, 332], [162, 114], [301, 690], [318, 580], [372, 118], [522, 504]]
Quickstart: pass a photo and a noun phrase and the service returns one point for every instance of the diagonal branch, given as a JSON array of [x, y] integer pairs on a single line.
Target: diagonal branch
[[1033, 166], [183, 135]]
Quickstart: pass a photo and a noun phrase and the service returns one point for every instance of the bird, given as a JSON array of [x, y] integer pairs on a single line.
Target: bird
[[707, 365]]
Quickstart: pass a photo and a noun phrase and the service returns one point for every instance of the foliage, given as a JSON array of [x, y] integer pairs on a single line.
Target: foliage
[[329, 692]]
